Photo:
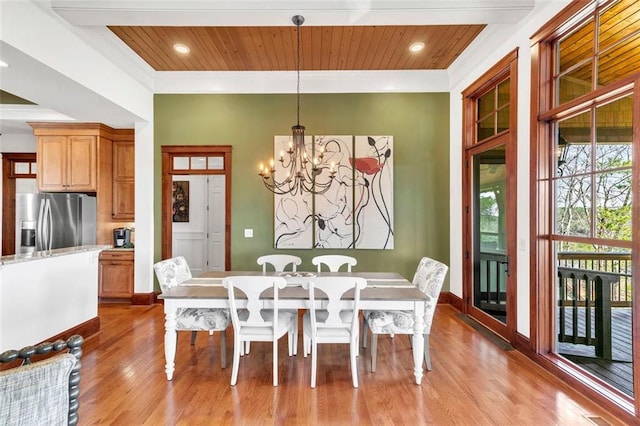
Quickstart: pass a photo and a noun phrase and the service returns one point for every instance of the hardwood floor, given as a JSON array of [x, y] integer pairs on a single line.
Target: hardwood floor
[[473, 382]]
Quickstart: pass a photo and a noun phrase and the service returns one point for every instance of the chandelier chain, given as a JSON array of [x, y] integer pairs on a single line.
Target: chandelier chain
[[298, 75]]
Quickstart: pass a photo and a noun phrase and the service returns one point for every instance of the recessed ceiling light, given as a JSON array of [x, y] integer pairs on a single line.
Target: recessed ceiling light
[[3, 64], [181, 48], [416, 47]]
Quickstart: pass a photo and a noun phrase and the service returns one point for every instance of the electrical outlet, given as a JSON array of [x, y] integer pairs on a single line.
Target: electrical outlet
[[248, 233]]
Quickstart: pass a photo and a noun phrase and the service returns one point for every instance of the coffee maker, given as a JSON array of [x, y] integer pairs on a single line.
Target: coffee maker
[[121, 237]]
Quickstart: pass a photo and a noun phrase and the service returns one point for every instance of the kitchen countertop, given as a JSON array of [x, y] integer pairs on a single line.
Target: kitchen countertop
[[44, 254]]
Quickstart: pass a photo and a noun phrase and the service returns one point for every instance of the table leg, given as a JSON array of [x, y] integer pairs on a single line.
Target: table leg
[[418, 340], [170, 339]]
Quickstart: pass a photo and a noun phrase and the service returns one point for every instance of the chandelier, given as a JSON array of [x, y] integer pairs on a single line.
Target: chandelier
[[300, 170]]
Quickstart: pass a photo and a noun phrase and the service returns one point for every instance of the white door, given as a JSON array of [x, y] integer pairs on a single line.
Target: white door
[[198, 235]]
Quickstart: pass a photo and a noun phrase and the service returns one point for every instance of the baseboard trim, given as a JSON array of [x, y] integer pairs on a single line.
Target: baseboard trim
[[86, 330], [143, 299], [448, 298]]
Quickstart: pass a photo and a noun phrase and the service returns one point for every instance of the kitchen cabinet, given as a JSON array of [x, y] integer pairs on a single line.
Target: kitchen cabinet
[[123, 181], [115, 274], [78, 157], [66, 163]]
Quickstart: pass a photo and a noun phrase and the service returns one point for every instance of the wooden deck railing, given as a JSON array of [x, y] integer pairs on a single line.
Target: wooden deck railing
[[490, 292], [614, 263], [588, 291]]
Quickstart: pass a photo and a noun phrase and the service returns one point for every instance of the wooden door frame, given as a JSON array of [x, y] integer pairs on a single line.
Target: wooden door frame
[[9, 159], [505, 68], [168, 154]]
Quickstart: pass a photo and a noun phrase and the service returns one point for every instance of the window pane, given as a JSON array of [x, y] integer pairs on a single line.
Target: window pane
[[181, 163], [614, 134], [486, 128], [620, 61], [618, 21], [575, 84], [486, 104], [588, 275], [198, 163], [503, 119], [34, 168], [575, 158], [503, 93], [216, 163], [613, 205], [21, 168], [576, 47], [573, 206]]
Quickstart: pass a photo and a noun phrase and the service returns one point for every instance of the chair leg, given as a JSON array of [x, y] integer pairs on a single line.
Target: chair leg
[[306, 344], [193, 338], [295, 335], [364, 333], [427, 352], [223, 348], [247, 347], [275, 362], [314, 362], [374, 351], [236, 360], [354, 367]]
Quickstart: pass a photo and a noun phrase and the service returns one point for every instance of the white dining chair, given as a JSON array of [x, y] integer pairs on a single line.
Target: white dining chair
[[279, 262], [334, 262], [333, 324], [429, 278], [173, 272], [253, 323]]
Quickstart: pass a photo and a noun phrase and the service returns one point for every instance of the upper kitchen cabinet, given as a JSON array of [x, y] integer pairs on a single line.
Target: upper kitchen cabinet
[[123, 180], [89, 157], [66, 163]]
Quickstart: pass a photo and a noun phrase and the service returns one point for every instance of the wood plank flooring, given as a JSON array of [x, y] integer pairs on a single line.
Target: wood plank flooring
[[473, 382]]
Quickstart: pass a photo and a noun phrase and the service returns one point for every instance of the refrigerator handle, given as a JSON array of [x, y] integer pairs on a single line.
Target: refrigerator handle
[[49, 225], [40, 227]]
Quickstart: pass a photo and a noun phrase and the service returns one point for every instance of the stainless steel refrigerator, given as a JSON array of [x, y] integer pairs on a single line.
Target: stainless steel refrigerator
[[52, 220]]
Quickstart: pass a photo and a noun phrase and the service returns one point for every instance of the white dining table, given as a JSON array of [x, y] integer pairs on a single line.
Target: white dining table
[[384, 291]]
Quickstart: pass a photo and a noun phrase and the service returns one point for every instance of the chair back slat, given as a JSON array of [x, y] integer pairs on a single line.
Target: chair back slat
[[253, 288], [279, 262], [335, 289], [334, 262]]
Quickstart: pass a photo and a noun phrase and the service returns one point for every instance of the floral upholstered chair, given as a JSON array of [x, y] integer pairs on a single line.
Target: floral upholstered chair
[[429, 278], [173, 272]]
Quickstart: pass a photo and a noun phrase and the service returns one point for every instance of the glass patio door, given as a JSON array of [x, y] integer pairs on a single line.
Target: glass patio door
[[491, 301]]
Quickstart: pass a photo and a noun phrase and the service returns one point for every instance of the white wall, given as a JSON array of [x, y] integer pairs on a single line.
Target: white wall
[[53, 65], [40, 298], [475, 61]]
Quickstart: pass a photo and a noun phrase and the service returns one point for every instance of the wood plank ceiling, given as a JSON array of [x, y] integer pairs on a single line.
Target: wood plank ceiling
[[323, 48]]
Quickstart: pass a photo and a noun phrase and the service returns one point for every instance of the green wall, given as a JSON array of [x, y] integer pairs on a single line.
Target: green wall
[[418, 122]]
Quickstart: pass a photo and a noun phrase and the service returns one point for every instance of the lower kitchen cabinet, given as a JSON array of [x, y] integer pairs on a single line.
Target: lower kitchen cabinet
[[115, 274]]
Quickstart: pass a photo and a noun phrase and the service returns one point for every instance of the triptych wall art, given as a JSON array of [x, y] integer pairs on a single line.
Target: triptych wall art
[[357, 210]]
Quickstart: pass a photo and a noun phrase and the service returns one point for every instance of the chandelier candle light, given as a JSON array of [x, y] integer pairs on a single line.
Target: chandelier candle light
[[301, 171]]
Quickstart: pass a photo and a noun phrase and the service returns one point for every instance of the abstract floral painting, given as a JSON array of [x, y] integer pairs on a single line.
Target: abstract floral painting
[[357, 210], [293, 215], [333, 209], [373, 201]]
